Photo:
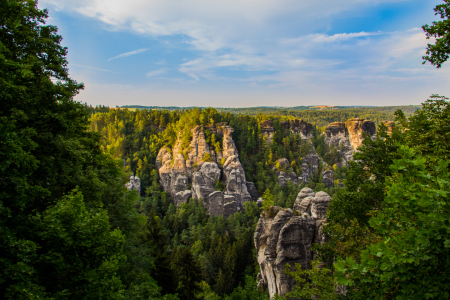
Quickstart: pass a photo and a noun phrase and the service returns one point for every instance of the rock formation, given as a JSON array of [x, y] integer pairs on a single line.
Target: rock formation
[[251, 188], [299, 127], [267, 130], [347, 137], [357, 128], [194, 172], [336, 134], [134, 184], [284, 172], [284, 237]]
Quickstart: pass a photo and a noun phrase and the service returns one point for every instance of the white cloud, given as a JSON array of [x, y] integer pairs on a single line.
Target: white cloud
[[320, 38], [157, 72], [212, 25], [273, 44], [325, 38], [129, 53]]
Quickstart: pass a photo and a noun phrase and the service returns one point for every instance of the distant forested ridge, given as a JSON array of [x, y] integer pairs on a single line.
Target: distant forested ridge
[[319, 115]]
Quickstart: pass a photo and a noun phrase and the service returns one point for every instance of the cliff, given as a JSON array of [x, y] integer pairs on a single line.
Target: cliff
[[348, 137], [357, 128], [283, 237], [195, 173], [299, 127]]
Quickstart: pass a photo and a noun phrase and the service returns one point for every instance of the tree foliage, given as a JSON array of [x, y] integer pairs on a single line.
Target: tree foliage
[[438, 53], [411, 259], [315, 283], [389, 238], [67, 224]]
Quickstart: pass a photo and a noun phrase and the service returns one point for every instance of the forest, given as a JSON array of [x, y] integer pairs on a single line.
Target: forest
[[312, 114], [70, 228]]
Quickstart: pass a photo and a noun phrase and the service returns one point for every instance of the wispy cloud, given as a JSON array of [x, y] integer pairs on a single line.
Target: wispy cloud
[[94, 68], [341, 36], [129, 53], [157, 72], [289, 45]]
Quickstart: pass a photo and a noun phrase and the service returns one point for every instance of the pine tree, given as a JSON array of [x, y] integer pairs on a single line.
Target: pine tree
[[158, 243], [188, 273]]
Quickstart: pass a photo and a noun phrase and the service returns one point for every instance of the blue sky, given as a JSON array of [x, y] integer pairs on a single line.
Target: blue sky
[[241, 53]]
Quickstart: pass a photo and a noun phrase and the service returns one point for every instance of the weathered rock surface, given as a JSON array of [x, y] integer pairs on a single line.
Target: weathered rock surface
[[251, 188], [281, 238], [194, 172], [319, 205], [299, 127], [357, 128], [336, 135], [267, 130], [134, 184], [311, 163], [302, 204], [327, 176], [284, 172], [347, 137]]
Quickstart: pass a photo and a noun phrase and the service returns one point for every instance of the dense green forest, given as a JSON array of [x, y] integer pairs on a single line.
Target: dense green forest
[[136, 137], [71, 230], [312, 114]]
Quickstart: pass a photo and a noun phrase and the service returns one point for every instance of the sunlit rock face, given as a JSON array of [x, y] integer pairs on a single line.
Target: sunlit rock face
[[357, 128], [348, 137], [195, 173], [283, 237]]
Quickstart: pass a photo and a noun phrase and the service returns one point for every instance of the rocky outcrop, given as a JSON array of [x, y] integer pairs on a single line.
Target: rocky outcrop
[[299, 127], [284, 172], [303, 201], [251, 188], [267, 130], [347, 137], [357, 128], [134, 184], [194, 172], [337, 136], [327, 176], [310, 164], [282, 237]]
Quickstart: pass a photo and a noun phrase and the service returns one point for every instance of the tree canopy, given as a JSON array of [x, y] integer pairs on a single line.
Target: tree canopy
[[439, 52]]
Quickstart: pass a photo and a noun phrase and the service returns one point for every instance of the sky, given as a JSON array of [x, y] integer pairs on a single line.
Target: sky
[[244, 53]]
